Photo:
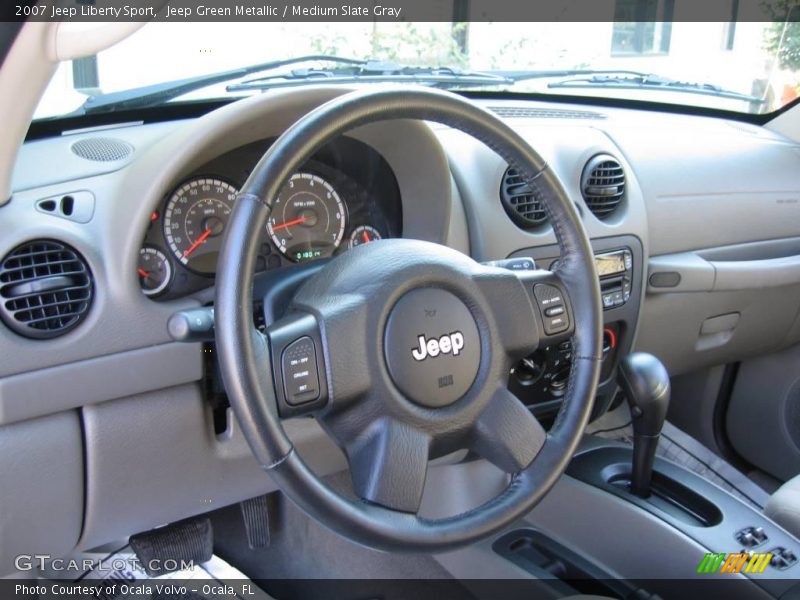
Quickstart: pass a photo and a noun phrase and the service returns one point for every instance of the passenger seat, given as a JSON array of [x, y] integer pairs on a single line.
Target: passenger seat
[[783, 507]]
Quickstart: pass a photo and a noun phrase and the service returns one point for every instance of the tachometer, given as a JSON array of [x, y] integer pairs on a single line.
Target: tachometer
[[308, 218], [195, 219]]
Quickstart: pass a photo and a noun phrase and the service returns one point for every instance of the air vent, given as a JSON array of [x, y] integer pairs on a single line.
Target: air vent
[[45, 289], [523, 204], [102, 149], [523, 112], [603, 185]]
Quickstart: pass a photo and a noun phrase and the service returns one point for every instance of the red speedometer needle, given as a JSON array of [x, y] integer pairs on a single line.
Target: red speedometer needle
[[143, 273], [288, 224], [198, 243], [365, 236]]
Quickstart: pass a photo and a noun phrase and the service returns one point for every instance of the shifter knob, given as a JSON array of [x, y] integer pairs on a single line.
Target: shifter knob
[[645, 382]]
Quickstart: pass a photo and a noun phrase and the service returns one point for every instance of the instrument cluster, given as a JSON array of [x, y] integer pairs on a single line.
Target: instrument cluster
[[344, 197]]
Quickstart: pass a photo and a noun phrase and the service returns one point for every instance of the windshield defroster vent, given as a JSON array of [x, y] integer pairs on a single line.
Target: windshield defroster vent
[[603, 185], [45, 289], [525, 112], [522, 203]]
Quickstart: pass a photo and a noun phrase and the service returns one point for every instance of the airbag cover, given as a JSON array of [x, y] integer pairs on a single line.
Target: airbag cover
[[432, 347]]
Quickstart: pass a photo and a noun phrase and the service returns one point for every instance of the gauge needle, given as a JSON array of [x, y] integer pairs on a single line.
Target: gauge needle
[[365, 235], [197, 244], [288, 224], [143, 273]]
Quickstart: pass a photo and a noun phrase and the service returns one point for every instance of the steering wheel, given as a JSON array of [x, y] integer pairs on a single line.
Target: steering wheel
[[402, 349]]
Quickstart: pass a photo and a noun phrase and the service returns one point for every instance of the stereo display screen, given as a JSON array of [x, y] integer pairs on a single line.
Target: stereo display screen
[[610, 264]]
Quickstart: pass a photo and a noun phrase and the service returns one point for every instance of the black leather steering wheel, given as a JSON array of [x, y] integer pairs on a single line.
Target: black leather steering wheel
[[401, 349]]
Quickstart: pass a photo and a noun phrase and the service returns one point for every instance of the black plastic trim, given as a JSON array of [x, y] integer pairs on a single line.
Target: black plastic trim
[[173, 111], [649, 106], [51, 127]]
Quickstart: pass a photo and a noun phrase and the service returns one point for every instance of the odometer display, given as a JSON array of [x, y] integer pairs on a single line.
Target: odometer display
[[308, 218], [195, 218]]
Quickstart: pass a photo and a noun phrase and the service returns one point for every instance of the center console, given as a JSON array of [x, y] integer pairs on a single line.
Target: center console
[[540, 380], [732, 540]]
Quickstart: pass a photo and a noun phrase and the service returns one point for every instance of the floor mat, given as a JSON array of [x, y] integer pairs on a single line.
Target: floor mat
[[683, 449]]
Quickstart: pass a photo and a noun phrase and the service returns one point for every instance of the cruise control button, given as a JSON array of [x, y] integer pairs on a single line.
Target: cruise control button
[[299, 370], [554, 311], [547, 295], [555, 324]]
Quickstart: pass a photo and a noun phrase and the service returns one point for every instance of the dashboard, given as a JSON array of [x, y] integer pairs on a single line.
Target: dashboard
[[345, 196], [675, 252]]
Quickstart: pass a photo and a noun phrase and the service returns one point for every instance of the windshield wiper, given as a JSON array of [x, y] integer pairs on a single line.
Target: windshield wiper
[[159, 93], [633, 80], [374, 72]]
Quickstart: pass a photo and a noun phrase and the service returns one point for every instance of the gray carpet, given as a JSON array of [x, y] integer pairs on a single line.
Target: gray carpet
[[305, 560]]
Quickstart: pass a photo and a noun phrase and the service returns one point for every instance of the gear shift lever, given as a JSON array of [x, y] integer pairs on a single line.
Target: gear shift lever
[[645, 383]]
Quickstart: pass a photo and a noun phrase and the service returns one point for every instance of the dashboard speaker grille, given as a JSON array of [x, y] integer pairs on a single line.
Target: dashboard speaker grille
[[522, 202], [45, 289], [102, 149], [603, 185]]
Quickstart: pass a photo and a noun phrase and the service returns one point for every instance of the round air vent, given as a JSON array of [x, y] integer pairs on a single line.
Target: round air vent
[[102, 149], [522, 202], [603, 185], [45, 289]]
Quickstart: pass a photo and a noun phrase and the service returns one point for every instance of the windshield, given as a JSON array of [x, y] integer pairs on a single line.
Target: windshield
[[746, 67]]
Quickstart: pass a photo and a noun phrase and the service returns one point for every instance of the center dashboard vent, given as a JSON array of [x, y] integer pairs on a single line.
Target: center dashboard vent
[[522, 203], [45, 289], [603, 185]]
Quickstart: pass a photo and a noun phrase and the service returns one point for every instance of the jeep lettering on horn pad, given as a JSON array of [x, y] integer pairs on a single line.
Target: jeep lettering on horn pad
[[446, 344]]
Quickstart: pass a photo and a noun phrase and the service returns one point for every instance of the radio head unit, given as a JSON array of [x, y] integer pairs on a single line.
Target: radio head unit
[[615, 269]]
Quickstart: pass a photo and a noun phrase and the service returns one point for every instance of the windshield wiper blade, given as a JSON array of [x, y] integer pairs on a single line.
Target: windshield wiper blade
[[374, 72], [159, 93], [632, 80]]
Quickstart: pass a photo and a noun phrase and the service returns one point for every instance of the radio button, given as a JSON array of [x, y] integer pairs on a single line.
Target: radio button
[[628, 260]]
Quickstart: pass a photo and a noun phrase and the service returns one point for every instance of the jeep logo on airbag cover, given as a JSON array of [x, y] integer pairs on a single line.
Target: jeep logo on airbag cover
[[432, 347], [446, 344]]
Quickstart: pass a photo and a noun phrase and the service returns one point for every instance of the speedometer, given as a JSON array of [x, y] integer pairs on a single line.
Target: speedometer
[[196, 216], [308, 218]]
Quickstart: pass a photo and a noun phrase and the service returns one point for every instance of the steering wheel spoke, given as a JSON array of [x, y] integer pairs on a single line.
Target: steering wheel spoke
[[388, 466], [532, 306], [507, 434]]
